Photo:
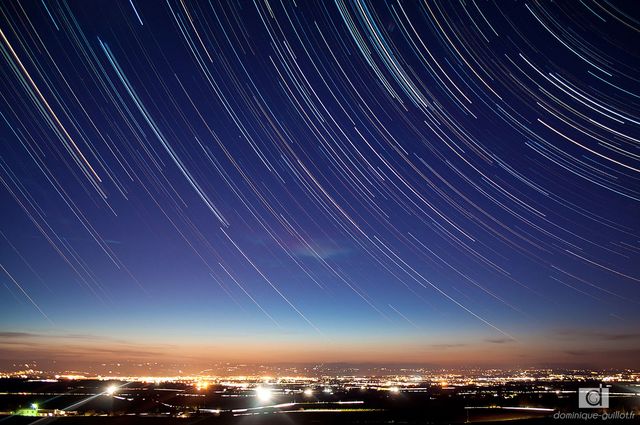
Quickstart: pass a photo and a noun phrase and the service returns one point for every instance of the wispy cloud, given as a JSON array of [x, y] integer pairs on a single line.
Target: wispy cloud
[[499, 340], [12, 335], [447, 346], [22, 336], [15, 344], [597, 335], [321, 249]]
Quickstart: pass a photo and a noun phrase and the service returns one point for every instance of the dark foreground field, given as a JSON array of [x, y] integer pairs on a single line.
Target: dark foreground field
[[86, 403], [366, 418]]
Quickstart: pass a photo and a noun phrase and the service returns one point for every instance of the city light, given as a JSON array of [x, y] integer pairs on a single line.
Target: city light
[[485, 392], [202, 386], [263, 394]]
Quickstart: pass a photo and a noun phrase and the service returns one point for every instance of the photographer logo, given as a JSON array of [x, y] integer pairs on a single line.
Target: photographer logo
[[593, 398]]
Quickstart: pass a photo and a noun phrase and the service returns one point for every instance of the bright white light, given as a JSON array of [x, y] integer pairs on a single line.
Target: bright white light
[[111, 390], [264, 394], [394, 390], [308, 392], [34, 406]]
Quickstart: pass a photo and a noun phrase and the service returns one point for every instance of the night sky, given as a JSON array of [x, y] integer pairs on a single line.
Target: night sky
[[443, 182]]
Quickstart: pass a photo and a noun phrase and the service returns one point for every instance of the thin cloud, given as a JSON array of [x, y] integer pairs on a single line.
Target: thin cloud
[[18, 335], [499, 340], [598, 335]]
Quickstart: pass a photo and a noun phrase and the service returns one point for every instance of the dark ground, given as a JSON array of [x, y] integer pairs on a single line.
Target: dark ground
[[370, 418], [149, 404]]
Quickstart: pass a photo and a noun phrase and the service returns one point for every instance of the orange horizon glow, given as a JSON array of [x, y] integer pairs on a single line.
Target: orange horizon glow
[[483, 354]]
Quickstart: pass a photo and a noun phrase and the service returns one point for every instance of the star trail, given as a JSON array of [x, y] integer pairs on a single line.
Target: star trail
[[321, 180]]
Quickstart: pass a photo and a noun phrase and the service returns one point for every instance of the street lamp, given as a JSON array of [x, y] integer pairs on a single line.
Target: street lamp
[[111, 389], [264, 394]]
